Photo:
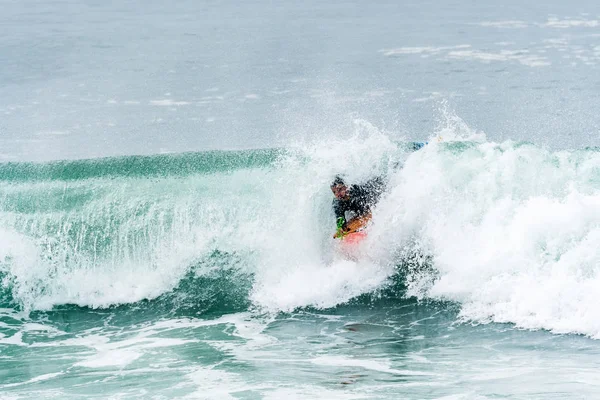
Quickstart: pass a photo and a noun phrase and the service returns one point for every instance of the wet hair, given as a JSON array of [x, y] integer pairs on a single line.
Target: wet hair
[[338, 181]]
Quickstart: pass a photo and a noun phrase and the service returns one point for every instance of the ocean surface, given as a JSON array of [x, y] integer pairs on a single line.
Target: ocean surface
[[165, 213]]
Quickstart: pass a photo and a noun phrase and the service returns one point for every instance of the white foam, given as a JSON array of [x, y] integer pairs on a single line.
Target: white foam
[[110, 351], [115, 358], [315, 284], [570, 23], [428, 50], [521, 56], [168, 102], [377, 93], [36, 379], [512, 24], [15, 340], [213, 383], [432, 97], [53, 133], [313, 392], [49, 331], [369, 364], [512, 230], [466, 52]]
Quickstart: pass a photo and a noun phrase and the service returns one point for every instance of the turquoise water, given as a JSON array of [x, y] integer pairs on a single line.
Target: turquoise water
[[165, 213], [207, 275]]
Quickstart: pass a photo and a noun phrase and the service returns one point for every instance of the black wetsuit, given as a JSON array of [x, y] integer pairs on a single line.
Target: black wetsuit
[[360, 199]]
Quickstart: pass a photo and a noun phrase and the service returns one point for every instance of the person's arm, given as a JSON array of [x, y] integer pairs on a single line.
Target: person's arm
[[357, 223], [339, 210], [354, 225]]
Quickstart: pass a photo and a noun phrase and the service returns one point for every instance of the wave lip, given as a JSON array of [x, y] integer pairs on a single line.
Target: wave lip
[[160, 165]]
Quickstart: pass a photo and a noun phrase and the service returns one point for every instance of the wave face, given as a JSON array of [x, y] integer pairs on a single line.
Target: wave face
[[508, 230]]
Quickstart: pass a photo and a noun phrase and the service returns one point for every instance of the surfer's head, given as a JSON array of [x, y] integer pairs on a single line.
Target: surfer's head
[[339, 188]]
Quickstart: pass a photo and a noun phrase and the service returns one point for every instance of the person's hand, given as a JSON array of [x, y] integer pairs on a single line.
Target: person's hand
[[340, 233]]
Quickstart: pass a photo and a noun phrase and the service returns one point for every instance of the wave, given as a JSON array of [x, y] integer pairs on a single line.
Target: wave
[[160, 165], [507, 230]]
